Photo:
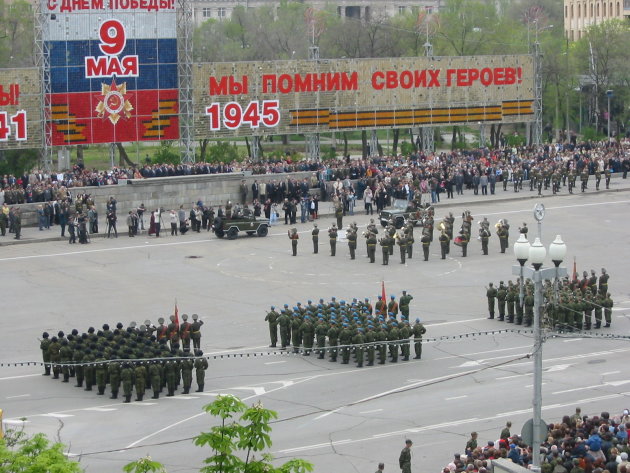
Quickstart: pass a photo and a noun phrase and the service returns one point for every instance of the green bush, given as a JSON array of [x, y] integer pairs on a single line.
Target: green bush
[[223, 152], [167, 153], [18, 161]]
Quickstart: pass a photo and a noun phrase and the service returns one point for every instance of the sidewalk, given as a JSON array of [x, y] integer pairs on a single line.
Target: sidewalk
[[468, 199]]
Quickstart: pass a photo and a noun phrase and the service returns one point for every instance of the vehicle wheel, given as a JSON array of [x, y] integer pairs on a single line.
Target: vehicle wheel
[[263, 230], [232, 233], [219, 233], [250, 233]]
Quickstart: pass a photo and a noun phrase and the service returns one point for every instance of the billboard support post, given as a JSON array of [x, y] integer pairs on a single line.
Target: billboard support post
[[184, 72], [312, 140], [428, 135], [373, 144], [42, 59], [538, 89]]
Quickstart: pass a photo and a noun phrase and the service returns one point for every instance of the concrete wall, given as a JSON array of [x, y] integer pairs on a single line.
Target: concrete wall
[[168, 192]]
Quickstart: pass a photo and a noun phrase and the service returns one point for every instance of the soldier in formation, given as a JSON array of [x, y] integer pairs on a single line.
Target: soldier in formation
[[570, 307], [131, 358], [350, 330]]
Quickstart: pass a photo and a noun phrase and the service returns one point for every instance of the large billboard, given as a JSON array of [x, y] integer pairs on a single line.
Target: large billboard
[[113, 70], [20, 108], [280, 97]]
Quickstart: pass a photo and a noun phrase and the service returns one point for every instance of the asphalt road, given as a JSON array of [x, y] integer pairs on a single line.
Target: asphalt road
[[341, 418]]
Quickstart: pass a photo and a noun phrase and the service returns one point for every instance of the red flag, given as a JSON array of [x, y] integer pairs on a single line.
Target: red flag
[[384, 298], [575, 275], [176, 315]]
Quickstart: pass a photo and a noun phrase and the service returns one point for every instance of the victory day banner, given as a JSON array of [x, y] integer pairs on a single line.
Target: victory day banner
[[113, 70], [20, 108], [279, 97]]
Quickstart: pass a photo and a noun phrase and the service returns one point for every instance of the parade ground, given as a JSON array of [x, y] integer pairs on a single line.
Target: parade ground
[[475, 374]]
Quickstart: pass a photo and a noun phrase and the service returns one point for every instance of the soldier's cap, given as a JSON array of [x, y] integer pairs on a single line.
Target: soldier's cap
[[392, 297], [383, 326], [132, 324], [105, 327], [408, 442], [147, 322], [309, 301], [195, 316], [60, 334], [45, 335], [501, 282], [161, 320], [272, 308], [75, 331], [380, 297], [185, 317], [119, 325], [286, 305]]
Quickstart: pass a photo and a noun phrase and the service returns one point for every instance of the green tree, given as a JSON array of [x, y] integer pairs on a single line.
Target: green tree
[[242, 433], [16, 34], [20, 453], [602, 60]]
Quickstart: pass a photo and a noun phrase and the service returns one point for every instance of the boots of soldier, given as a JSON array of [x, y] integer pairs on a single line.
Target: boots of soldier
[[139, 397], [321, 356], [66, 378], [127, 398], [114, 395], [156, 395], [79, 384], [88, 387], [55, 374], [186, 391], [101, 390], [200, 390], [406, 358], [171, 393], [47, 371], [501, 318]]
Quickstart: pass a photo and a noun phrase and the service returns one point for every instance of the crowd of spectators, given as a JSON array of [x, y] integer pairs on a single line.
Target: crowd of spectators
[[395, 176], [576, 444]]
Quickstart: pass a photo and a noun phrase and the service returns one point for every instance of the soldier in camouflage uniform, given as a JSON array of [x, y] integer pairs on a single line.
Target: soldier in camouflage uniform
[[201, 365], [44, 346]]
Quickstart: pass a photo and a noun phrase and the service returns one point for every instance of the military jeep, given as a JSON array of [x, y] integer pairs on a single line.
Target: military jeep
[[399, 216], [249, 224]]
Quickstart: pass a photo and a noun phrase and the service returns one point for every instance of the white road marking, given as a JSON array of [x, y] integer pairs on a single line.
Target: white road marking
[[513, 376], [455, 397], [15, 421], [572, 340], [531, 385], [208, 394], [100, 409], [468, 364], [19, 395], [258, 390], [455, 322], [482, 352], [610, 372], [274, 362], [371, 412], [102, 250], [449, 424], [579, 389], [143, 403], [57, 415], [18, 377], [618, 383], [183, 398]]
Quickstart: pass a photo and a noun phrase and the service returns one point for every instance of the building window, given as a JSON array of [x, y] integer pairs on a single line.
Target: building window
[[401, 10], [206, 12], [428, 10], [221, 12]]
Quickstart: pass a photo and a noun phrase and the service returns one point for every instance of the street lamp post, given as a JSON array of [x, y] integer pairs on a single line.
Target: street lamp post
[[609, 94], [536, 254]]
